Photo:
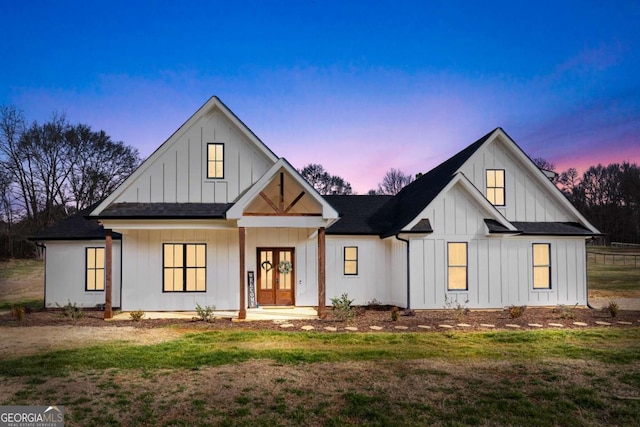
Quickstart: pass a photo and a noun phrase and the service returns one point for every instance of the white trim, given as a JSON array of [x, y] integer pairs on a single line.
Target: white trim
[[164, 224], [237, 210], [284, 222], [476, 195], [214, 103], [536, 172]]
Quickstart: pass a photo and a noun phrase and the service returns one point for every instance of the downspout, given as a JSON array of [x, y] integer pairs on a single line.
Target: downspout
[[586, 277], [44, 255], [408, 269], [121, 252]]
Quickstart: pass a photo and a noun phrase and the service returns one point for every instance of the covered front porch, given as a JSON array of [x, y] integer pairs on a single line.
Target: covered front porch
[[251, 314]]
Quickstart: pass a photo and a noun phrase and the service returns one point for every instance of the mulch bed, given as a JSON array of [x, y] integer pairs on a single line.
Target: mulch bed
[[365, 317]]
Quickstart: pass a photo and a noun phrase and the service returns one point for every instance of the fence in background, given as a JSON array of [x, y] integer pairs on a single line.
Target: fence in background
[[629, 260]]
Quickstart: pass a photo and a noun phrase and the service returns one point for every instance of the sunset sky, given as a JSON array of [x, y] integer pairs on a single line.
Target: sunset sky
[[358, 87]]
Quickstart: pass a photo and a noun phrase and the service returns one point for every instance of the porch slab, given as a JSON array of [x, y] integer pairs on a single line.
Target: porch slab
[[275, 313]]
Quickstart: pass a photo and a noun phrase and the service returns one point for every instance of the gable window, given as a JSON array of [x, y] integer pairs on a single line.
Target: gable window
[[495, 186], [215, 160], [94, 280], [541, 266], [457, 266], [184, 267], [350, 261]]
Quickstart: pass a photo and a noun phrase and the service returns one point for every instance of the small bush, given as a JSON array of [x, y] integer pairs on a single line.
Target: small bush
[[341, 307], [566, 312], [205, 314], [374, 304], [71, 311], [395, 313], [455, 307], [17, 312], [516, 311], [612, 308], [137, 315]]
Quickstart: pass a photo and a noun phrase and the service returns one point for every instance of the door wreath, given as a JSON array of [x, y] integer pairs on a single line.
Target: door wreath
[[284, 267]]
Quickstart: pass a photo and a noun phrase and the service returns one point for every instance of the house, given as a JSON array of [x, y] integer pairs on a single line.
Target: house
[[214, 217]]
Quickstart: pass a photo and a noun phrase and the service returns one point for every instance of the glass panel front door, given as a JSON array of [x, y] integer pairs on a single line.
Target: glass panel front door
[[276, 276]]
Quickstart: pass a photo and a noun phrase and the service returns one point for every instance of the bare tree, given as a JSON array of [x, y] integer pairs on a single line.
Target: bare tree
[[547, 166], [12, 127], [100, 165], [324, 182], [568, 181], [393, 181], [53, 165]]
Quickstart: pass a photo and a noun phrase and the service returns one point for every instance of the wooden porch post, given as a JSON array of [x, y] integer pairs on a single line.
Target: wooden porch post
[[242, 314], [108, 310], [322, 305]]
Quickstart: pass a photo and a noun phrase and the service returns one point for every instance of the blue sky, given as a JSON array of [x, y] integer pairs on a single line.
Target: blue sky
[[358, 87]]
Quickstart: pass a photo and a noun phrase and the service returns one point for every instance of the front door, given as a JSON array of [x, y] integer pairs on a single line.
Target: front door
[[276, 276]]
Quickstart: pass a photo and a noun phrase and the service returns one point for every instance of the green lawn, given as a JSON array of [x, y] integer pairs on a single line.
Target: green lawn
[[542, 378], [587, 377], [20, 267], [610, 278], [21, 283]]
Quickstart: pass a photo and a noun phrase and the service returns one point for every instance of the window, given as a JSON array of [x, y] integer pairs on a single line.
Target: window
[[95, 269], [215, 160], [350, 261], [541, 266], [184, 267], [456, 266], [495, 186]]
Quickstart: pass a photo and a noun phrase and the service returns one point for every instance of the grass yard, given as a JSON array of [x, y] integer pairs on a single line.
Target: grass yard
[[543, 378], [21, 283], [609, 279], [550, 377]]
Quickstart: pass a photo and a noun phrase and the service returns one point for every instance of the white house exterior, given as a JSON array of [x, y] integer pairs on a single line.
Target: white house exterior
[[214, 217]]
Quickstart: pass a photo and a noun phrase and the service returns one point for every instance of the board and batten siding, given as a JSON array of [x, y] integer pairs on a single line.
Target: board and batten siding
[[525, 197], [179, 173], [374, 265], [500, 273], [65, 281], [142, 266], [499, 268], [143, 273]]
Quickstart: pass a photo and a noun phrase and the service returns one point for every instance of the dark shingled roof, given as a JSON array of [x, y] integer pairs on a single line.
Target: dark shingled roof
[[423, 226], [413, 198], [375, 215], [497, 228], [540, 228], [355, 213], [553, 228], [76, 227], [165, 211]]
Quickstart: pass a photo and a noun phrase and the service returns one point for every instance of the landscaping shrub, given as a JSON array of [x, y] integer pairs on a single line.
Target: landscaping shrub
[[17, 312], [137, 315], [516, 311], [341, 307], [612, 308], [456, 308], [71, 311], [205, 314]]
